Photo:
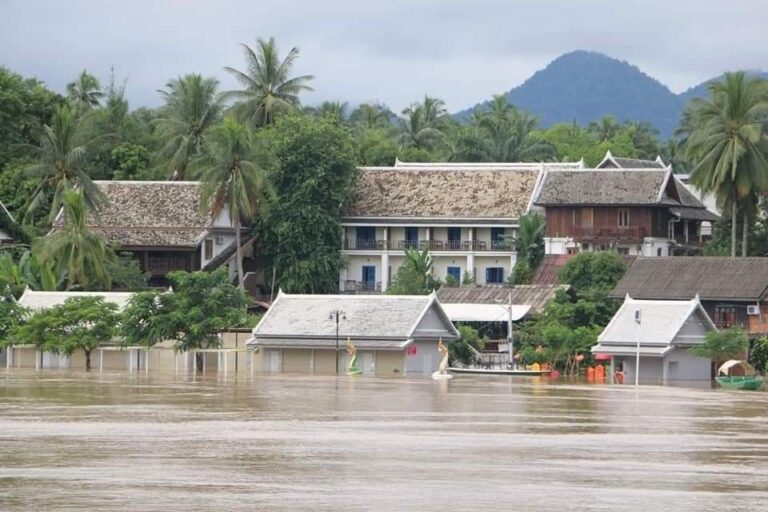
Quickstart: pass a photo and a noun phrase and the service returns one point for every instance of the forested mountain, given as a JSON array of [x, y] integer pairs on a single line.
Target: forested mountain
[[584, 86]]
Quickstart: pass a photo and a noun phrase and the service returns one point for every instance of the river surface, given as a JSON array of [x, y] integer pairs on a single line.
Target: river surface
[[70, 441]]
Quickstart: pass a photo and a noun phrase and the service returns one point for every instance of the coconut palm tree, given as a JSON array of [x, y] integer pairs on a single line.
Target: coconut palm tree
[[75, 249], [422, 124], [371, 116], [192, 106], [61, 157], [84, 93], [728, 145], [232, 180], [604, 129], [268, 88]]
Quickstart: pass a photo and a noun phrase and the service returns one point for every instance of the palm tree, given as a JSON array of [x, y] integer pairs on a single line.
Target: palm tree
[[529, 239], [422, 125], [232, 180], [268, 87], [336, 110], [191, 108], [61, 156], [76, 250], [370, 116], [605, 129], [727, 143], [84, 93]]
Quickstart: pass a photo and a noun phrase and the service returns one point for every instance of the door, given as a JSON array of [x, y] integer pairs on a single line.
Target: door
[[497, 238], [273, 358], [366, 237], [455, 274], [369, 277], [366, 362], [454, 238], [411, 238]]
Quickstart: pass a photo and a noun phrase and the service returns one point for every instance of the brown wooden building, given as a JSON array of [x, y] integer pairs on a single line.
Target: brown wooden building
[[733, 291]]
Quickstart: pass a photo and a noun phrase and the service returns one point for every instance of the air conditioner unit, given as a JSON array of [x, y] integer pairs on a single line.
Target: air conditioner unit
[[753, 310], [219, 239]]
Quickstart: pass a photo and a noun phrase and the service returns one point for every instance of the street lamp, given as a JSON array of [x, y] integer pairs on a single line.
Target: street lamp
[[336, 314]]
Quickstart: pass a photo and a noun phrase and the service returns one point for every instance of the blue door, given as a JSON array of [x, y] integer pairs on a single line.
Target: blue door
[[455, 273], [497, 238], [366, 237], [369, 277], [411, 238], [454, 238]]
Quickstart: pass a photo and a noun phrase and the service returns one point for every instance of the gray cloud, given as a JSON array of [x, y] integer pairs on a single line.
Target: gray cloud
[[393, 51]]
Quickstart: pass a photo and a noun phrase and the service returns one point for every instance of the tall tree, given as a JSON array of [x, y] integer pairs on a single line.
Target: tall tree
[[422, 125], [74, 248], [313, 179], [84, 93], [414, 277], [192, 106], [232, 179], [727, 143], [370, 116], [268, 87], [60, 160], [605, 128]]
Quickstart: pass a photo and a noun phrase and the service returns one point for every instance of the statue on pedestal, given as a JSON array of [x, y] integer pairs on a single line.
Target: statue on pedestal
[[442, 368], [352, 368]]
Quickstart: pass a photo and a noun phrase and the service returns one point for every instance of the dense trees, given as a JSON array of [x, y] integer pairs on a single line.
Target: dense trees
[[727, 141], [414, 276]]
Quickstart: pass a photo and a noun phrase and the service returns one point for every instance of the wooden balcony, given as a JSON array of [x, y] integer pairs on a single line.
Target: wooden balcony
[[432, 245], [609, 234]]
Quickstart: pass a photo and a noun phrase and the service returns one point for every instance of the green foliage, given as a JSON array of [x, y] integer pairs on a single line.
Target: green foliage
[[758, 355], [463, 349], [414, 276], [201, 305], [129, 162], [719, 346], [76, 250], [79, 323], [467, 279], [125, 273], [268, 88], [84, 93], [592, 270], [529, 244], [313, 177], [28, 272], [11, 316]]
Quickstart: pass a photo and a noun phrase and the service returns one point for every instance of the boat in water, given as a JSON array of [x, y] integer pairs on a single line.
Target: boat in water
[[735, 374]]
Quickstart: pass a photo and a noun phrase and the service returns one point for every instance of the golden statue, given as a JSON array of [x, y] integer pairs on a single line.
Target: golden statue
[[352, 368]]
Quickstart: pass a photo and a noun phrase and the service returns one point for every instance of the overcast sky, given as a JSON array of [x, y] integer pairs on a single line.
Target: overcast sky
[[393, 51]]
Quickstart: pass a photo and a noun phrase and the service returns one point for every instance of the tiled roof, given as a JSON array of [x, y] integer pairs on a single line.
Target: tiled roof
[[683, 277], [604, 187], [546, 272], [367, 316], [37, 300], [660, 322], [535, 296], [447, 190], [151, 213]]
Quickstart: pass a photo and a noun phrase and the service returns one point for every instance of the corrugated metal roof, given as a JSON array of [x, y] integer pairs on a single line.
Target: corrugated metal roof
[[533, 295], [683, 277]]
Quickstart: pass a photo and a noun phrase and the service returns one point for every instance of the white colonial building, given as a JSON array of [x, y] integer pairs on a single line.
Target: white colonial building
[[465, 213]]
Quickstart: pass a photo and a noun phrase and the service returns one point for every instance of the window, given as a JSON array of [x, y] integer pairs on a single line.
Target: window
[[208, 249], [369, 277], [454, 234], [658, 251], [622, 250], [725, 316], [455, 273], [494, 275], [623, 218]]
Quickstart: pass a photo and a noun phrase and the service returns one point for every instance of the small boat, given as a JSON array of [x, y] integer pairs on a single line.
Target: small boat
[[498, 371], [735, 374]]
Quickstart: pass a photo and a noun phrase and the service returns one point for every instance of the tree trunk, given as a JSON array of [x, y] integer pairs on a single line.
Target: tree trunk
[[238, 251], [733, 226], [87, 360], [745, 233]]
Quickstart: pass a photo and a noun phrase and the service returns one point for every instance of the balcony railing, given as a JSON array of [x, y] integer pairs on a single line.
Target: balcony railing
[[612, 233], [432, 245], [352, 286]]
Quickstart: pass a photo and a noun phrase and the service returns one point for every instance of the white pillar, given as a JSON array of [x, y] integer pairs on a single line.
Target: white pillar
[[471, 266], [101, 360], [38, 357], [384, 271]]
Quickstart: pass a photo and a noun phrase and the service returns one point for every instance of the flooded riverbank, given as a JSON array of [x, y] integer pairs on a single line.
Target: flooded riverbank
[[284, 443]]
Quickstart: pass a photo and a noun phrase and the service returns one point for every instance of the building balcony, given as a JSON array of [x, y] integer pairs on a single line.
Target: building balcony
[[432, 245], [352, 286], [603, 234]]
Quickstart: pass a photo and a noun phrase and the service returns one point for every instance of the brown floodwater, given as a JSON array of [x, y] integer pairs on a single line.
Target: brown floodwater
[[70, 441]]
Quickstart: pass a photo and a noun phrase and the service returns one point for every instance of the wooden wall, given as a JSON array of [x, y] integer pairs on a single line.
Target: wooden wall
[[571, 221]]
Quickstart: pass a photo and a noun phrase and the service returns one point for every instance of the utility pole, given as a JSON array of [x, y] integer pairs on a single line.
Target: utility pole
[[637, 356], [510, 340]]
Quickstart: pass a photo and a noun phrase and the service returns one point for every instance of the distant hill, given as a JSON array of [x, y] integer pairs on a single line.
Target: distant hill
[[583, 86]]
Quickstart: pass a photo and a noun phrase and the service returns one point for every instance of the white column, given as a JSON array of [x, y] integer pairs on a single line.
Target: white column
[[384, 271], [471, 266]]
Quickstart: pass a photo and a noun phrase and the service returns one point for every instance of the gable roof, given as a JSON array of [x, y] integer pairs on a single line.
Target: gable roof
[[684, 277], [151, 213], [37, 300], [660, 321], [616, 162], [532, 295], [631, 187], [394, 318], [9, 230], [446, 190]]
